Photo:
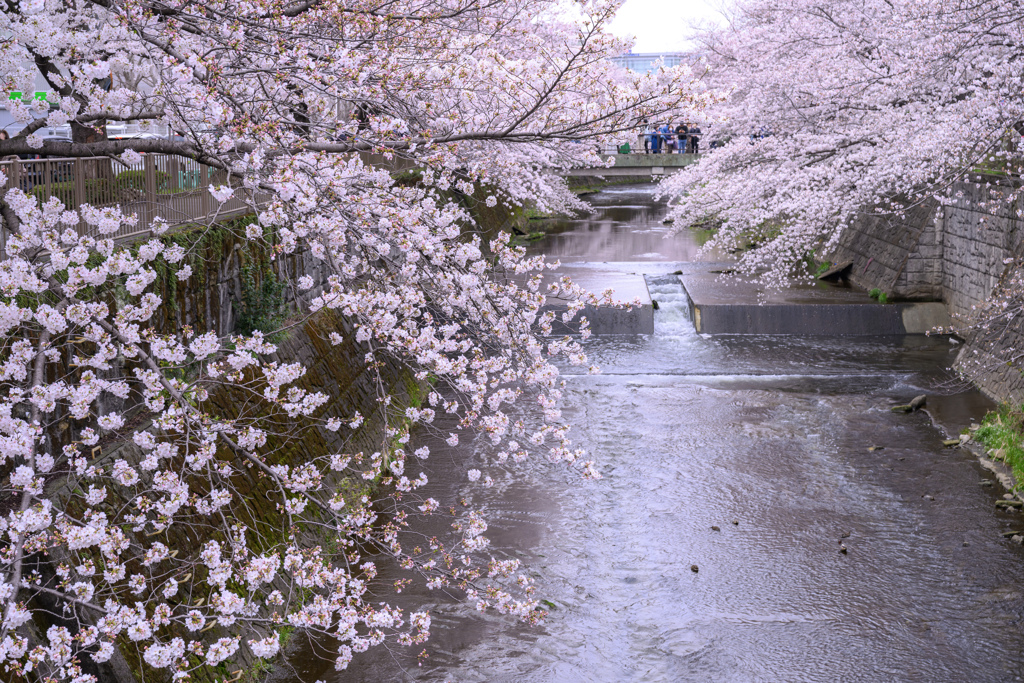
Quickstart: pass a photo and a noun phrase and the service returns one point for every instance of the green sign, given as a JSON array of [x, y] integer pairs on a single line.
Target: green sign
[[41, 96]]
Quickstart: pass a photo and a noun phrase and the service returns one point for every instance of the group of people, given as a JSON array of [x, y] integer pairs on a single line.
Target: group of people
[[663, 139]]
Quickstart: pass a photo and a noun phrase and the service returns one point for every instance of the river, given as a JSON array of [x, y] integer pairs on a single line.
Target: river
[[749, 458]]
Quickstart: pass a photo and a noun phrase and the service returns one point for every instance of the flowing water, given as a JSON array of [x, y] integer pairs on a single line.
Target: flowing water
[[768, 440]]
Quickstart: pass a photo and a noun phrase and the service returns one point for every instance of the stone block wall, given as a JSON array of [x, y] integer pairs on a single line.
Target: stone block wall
[[897, 254], [993, 357], [989, 364], [221, 257], [952, 253], [921, 275], [959, 253], [980, 231], [342, 373]]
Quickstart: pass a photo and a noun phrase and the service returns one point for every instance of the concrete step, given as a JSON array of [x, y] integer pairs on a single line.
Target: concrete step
[[733, 304], [627, 286]]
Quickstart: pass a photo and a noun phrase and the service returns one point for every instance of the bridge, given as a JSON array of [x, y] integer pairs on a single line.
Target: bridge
[[637, 164]]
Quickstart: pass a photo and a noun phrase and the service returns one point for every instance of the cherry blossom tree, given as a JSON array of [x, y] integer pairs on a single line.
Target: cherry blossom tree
[[837, 108], [304, 108]]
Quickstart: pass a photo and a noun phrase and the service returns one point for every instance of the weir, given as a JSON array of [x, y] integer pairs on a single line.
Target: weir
[[721, 302], [633, 312], [725, 303], [623, 241]]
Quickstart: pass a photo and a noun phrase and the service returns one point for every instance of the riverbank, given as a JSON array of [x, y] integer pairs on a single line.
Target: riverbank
[[235, 282]]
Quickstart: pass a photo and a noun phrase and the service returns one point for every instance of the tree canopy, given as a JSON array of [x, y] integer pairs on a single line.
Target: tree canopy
[[837, 108]]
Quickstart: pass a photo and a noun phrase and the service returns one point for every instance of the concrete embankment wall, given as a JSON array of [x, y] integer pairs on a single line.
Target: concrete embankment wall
[[958, 253], [230, 271]]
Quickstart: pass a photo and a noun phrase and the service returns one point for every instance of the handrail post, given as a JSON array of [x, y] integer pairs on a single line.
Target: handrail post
[[174, 169], [149, 176], [15, 172], [205, 200], [149, 166], [79, 170]]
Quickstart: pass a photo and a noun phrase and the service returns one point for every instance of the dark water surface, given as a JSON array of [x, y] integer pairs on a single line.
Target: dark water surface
[[767, 439]]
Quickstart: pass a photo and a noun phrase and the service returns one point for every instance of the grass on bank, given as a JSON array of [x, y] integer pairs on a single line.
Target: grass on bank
[[1002, 434]]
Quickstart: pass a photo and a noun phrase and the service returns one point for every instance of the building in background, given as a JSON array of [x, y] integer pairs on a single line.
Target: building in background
[[644, 62]]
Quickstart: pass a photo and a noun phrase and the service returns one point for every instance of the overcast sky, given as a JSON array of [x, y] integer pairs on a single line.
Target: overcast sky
[[664, 25]]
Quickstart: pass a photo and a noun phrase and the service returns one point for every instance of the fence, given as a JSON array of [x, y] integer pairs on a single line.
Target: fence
[[635, 146], [176, 189]]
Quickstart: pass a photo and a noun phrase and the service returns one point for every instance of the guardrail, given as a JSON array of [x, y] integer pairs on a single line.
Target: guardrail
[[633, 148], [176, 189]]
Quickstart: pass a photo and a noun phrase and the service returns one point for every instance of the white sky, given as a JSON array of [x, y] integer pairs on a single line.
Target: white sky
[[664, 25]]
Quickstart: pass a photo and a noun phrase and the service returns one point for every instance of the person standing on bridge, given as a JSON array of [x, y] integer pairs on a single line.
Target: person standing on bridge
[[647, 134], [695, 138], [665, 132], [681, 136]]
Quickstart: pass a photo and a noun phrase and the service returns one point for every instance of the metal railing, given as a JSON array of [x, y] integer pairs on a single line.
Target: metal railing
[[174, 188], [634, 147]]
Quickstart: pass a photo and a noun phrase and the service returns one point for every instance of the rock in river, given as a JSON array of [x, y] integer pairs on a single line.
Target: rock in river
[[916, 404]]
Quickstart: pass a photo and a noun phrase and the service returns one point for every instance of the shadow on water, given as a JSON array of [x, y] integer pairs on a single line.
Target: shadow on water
[[750, 458]]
